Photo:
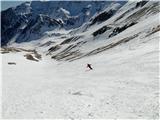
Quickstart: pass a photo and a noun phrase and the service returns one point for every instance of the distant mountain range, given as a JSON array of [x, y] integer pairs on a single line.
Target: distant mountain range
[[30, 20]]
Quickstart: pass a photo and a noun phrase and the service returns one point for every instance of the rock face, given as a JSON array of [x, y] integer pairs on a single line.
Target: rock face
[[101, 30], [117, 30], [102, 17], [36, 27], [10, 23], [106, 14], [25, 27], [54, 48], [30, 57], [141, 3]]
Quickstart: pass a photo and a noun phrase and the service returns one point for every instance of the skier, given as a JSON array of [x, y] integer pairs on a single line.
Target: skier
[[89, 66]]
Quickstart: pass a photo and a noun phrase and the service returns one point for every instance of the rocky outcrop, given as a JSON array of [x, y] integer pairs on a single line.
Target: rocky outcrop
[[101, 30], [141, 3], [36, 27], [30, 57], [54, 48], [102, 17], [118, 30], [72, 39]]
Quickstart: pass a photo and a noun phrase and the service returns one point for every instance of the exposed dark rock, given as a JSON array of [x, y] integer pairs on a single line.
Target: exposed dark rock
[[70, 47], [101, 49], [98, 50], [67, 55], [102, 17], [10, 49], [69, 40], [4, 52], [141, 3], [10, 24], [69, 52], [81, 43], [137, 15], [101, 30], [37, 55], [118, 30], [54, 48], [30, 57], [63, 37], [35, 26], [14, 49], [11, 63], [77, 93], [154, 30]]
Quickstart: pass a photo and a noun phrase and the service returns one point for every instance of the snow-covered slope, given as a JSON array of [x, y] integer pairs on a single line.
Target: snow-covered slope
[[48, 78], [122, 84], [128, 23]]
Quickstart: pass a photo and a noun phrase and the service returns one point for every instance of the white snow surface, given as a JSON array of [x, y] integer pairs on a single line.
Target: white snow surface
[[122, 84]]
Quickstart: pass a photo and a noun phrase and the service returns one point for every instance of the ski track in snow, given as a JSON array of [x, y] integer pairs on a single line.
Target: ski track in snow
[[122, 84]]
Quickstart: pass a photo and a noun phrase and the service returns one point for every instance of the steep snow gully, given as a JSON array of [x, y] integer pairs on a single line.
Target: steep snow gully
[[47, 77]]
